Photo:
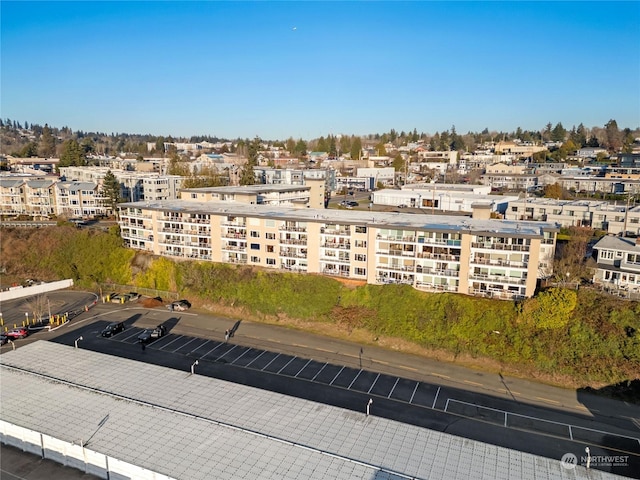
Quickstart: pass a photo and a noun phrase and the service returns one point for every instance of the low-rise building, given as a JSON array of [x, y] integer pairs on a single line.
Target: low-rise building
[[480, 257], [618, 264]]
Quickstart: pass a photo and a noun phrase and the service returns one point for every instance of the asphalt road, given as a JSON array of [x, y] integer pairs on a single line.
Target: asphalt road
[[539, 419]]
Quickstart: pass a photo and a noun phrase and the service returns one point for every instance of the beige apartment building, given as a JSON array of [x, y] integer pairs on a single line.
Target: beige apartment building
[[482, 257]]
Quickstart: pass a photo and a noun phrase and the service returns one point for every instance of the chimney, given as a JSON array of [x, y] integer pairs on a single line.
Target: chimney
[[481, 211]]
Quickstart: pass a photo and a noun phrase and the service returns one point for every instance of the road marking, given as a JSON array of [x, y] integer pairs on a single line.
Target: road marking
[[394, 387], [374, 382], [436, 399], [285, 365], [410, 368], [354, 379], [305, 366], [414, 392], [262, 369], [334, 378], [262, 353], [314, 377], [324, 350], [245, 352], [472, 383], [217, 346], [174, 351], [548, 400], [439, 375], [169, 343]]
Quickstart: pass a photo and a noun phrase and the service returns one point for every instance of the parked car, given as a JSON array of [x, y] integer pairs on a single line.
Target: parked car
[[133, 296], [112, 329], [150, 334], [402, 206], [20, 332], [179, 306]]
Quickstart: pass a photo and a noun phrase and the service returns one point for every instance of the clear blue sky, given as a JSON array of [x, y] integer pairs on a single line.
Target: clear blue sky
[[305, 69]]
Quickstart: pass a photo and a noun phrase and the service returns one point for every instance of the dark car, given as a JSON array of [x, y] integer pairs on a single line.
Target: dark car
[[112, 329], [150, 335]]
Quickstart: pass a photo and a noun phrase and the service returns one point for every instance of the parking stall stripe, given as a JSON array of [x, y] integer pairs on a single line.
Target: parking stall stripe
[[262, 353], [262, 369], [169, 343], [174, 351], [219, 345], [228, 351], [287, 364], [243, 354], [200, 346], [374, 382], [314, 377], [394, 387], [134, 334], [334, 378], [354, 379], [414, 392], [300, 371]]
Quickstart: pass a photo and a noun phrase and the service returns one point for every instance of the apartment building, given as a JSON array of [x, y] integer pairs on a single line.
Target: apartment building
[[598, 214], [432, 253], [618, 264], [80, 199], [311, 195]]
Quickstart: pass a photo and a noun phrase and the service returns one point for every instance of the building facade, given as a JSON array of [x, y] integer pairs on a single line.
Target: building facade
[[618, 264], [432, 253]]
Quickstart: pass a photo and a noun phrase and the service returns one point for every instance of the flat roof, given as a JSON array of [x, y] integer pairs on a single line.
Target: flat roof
[[249, 189], [417, 221], [188, 426]]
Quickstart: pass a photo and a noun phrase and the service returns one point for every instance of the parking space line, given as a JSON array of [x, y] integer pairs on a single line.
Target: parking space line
[[414, 392], [169, 343], [354, 379], [305, 366], [200, 346], [262, 353], [314, 377], [262, 369], [174, 351], [130, 336], [435, 399], [243, 354], [334, 378], [285, 365], [374, 382], [394, 387], [228, 351], [217, 346]]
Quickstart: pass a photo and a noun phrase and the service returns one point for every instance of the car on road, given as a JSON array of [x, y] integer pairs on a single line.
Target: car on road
[[179, 306], [112, 329], [20, 332], [150, 334]]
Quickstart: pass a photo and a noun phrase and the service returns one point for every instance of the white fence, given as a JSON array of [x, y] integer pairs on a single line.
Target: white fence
[[73, 455], [14, 293]]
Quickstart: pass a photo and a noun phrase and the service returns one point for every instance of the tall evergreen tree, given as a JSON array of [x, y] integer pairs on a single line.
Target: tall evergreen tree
[[47, 147], [72, 154], [111, 192]]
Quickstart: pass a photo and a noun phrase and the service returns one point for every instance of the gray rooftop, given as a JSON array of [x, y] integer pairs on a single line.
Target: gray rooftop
[[188, 426], [249, 189], [624, 244], [359, 217]]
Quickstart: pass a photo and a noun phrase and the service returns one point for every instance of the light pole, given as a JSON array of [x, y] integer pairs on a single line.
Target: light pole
[[369, 405], [77, 340], [193, 367], [586, 449]]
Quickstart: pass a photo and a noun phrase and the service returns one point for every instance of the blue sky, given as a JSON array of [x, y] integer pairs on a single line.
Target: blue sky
[[305, 69]]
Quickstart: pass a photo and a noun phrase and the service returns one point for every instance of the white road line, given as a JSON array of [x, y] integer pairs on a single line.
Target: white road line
[[262, 353], [334, 378], [217, 346], [435, 399], [314, 377], [414, 392], [374, 382], [174, 351], [305, 366], [354, 379], [286, 364], [262, 369], [228, 351], [169, 343], [243, 354], [394, 387]]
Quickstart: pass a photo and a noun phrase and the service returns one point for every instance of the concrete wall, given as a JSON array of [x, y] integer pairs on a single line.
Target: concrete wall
[[35, 290], [73, 455]]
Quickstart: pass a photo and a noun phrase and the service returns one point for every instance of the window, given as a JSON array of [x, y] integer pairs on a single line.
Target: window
[[255, 259], [359, 257], [361, 243], [269, 248], [360, 271], [361, 229], [255, 234], [194, 195], [255, 246], [271, 261], [270, 236], [270, 223]]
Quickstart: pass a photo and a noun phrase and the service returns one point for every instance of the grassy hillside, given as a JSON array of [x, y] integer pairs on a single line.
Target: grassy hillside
[[574, 337]]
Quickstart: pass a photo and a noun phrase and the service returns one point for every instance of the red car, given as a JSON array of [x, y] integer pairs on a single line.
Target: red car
[[20, 332]]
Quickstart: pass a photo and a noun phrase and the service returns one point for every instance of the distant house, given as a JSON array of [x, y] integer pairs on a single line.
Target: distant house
[[618, 263]]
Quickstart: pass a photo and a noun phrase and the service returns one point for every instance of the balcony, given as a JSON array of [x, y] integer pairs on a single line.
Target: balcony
[[498, 279], [234, 223], [336, 231], [293, 241], [443, 272], [234, 248], [290, 228], [431, 287], [439, 256], [328, 258], [242, 236], [292, 253], [498, 263], [343, 246], [335, 273], [501, 246], [237, 260], [396, 239]]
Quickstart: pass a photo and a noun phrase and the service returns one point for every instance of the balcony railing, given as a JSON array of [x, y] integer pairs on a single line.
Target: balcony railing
[[293, 241], [287, 228], [434, 271], [501, 246], [397, 268], [343, 246], [498, 279], [499, 263]]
